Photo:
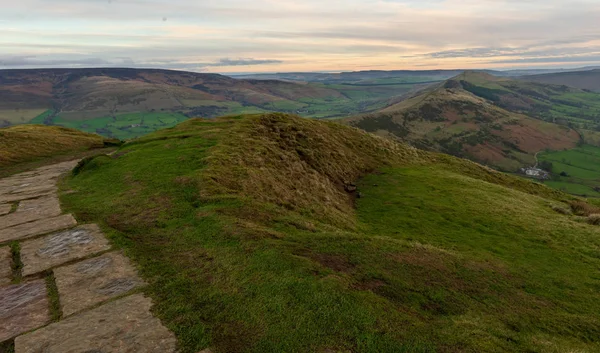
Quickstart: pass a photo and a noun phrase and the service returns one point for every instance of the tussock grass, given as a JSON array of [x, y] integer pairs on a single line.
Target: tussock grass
[[301, 165], [594, 219], [25, 143], [249, 243], [582, 208]]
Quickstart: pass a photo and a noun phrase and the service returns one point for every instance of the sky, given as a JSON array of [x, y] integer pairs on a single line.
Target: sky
[[229, 36]]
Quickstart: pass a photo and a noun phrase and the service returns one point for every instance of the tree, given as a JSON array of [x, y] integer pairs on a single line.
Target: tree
[[546, 165]]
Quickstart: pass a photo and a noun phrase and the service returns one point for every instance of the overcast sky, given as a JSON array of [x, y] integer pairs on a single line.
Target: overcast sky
[[299, 35]]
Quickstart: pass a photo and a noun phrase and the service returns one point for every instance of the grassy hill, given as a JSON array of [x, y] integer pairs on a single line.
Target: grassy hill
[[126, 103], [30, 143], [497, 121], [452, 118], [588, 80], [558, 104], [252, 238]]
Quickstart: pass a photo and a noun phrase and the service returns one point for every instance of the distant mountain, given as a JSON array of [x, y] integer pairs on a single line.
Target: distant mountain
[[496, 121], [359, 77], [125, 103], [589, 80], [409, 76]]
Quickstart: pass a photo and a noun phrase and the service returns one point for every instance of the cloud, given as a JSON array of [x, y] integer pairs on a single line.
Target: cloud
[[76, 61], [288, 35], [593, 58], [22, 61], [243, 62]]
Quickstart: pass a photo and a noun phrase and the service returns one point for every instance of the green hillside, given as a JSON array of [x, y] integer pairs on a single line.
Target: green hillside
[[576, 171], [559, 104], [252, 239], [126, 103], [25, 146]]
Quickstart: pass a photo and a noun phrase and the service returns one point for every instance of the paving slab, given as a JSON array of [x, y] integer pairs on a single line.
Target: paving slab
[[58, 248], [5, 209], [87, 283], [32, 210], [5, 265], [30, 194], [123, 326], [42, 226], [23, 307]]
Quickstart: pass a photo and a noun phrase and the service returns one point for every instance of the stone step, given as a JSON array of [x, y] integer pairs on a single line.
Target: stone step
[[32, 210], [56, 249], [125, 325], [23, 307], [90, 282], [5, 209], [42, 226]]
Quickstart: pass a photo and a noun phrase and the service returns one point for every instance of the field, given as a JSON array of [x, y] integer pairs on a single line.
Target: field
[[125, 126], [128, 103], [249, 243], [582, 166], [18, 116], [135, 124]]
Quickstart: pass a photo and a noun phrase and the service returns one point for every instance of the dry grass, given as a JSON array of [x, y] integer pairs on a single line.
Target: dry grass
[[299, 164], [25, 143], [594, 219], [582, 208]]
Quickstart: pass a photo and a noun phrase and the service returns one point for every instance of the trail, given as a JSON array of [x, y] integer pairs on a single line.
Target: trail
[[63, 288]]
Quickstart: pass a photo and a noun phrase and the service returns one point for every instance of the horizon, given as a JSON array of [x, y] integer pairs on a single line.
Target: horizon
[[277, 36], [232, 74]]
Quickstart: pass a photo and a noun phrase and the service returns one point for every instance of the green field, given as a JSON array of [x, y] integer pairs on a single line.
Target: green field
[[553, 103], [40, 119], [249, 243], [125, 126], [582, 166]]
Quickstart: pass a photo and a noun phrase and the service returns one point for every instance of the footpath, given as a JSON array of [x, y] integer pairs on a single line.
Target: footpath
[[63, 289]]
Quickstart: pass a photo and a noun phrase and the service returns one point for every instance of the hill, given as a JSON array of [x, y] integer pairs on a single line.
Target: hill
[[588, 80], [27, 143], [503, 123], [252, 238], [476, 116], [126, 103]]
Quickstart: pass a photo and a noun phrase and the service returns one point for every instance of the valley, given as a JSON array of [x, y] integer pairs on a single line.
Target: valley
[[128, 103], [497, 118]]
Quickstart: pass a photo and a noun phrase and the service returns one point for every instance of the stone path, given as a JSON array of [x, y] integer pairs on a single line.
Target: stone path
[[44, 254]]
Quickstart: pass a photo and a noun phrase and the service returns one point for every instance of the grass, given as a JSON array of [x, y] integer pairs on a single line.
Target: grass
[[582, 166], [7, 346], [53, 296], [20, 116], [17, 264], [29, 143], [126, 125], [249, 243], [40, 119]]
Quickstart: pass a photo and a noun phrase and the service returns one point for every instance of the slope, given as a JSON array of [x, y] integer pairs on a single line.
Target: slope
[[125, 103], [251, 239], [25, 143], [452, 118], [587, 80]]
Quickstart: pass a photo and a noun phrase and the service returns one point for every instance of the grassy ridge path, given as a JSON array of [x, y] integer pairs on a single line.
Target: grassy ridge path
[[62, 287]]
